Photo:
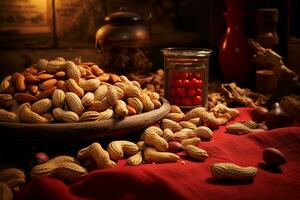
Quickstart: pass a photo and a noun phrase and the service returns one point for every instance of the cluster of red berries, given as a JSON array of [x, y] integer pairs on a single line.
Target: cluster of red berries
[[186, 88]]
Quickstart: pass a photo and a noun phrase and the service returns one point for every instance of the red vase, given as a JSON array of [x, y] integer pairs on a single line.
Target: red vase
[[234, 54]]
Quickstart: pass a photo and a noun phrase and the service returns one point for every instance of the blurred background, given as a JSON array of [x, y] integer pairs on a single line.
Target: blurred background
[[33, 29]]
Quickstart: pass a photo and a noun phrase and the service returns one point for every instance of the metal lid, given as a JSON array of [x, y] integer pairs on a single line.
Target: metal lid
[[123, 17], [187, 52]]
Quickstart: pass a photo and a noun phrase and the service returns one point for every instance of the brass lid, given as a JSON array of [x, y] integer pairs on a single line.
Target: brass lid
[[123, 17]]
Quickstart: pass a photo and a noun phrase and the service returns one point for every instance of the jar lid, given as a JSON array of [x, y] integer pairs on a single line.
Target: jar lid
[[187, 52], [123, 17]]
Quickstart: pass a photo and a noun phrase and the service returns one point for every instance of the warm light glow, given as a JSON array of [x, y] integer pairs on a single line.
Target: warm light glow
[[28, 16]]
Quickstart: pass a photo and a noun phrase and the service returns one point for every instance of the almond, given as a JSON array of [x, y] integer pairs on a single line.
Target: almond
[[131, 110], [48, 84], [61, 85], [44, 77], [98, 106], [25, 97], [19, 80], [33, 88], [60, 75], [46, 93], [32, 79], [104, 77]]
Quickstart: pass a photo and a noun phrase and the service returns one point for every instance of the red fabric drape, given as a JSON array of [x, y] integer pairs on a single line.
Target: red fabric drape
[[188, 179]]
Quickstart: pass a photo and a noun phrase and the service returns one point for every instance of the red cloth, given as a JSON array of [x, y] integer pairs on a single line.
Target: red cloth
[[189, 179]]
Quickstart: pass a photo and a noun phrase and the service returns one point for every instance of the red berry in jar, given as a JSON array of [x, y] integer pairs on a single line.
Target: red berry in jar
[[184, 75], [194, 82], [197, 100], [177, 83], [198, 92], [181, 92], [187, 101], [186, 83], [191, 92], [197, 76], [198, 84]]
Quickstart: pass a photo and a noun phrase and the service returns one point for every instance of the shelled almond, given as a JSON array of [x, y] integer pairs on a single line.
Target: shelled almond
[[66, 90]]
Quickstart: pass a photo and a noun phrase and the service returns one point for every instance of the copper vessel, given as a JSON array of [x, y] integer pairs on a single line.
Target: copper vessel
[[123, 43]]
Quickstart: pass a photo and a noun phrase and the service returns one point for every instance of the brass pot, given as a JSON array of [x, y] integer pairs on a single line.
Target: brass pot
[[123, 29]]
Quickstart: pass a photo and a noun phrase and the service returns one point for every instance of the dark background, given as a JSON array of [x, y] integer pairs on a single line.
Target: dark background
[[193, 23]]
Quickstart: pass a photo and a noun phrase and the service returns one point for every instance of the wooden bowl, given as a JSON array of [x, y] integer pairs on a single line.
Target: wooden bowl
[[81, 130]]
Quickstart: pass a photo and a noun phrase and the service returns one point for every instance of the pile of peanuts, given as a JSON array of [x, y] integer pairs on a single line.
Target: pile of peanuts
[[176, 135], [159, 143], [65, 91]]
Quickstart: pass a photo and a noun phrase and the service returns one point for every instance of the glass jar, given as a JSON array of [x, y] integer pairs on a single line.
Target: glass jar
[[186, 76]]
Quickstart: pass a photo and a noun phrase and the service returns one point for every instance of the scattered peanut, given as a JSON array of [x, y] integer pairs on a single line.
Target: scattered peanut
[[152, 155], [96, 153], [61, 167], [239, 128], [117, 149], [195, 152], [230, 171], [135, 159]]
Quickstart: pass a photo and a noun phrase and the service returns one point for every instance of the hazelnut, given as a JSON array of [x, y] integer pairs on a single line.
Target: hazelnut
[[273, 157]]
